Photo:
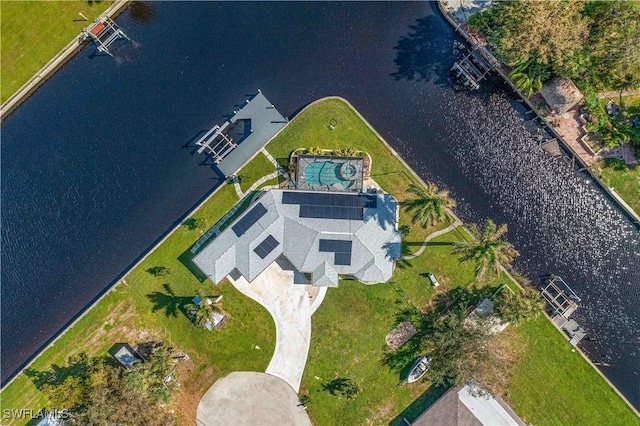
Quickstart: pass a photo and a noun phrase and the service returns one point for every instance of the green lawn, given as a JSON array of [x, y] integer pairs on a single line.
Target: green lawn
[[348, 332], [258, 167], [33, 32], [553, 385], [453, 277], [624, 179]]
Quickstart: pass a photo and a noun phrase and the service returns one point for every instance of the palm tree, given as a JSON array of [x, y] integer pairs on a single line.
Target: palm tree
[[203, 311], [517, 306], [487, 250], [430, 205], [528, 76]]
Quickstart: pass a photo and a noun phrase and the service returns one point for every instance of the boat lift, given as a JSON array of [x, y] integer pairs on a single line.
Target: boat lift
[[562, 301], [217, 143], [475, 66], [103, 32]]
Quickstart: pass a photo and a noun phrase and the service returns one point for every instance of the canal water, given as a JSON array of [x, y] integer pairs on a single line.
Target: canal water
[[98, 164]]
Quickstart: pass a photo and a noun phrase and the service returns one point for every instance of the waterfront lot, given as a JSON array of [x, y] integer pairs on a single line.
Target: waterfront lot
[[347, 330], [30, 40], [624, 179]]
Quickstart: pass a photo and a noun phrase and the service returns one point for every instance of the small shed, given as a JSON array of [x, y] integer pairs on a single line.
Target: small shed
[[560, 94], [125, 354]]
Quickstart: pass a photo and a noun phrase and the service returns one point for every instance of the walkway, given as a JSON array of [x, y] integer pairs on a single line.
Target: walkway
[[457, 222], [291, 306], [256, 184], [280, 170], [568, 126]]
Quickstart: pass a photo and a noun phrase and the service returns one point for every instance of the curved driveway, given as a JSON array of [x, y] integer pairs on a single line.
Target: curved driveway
[[291, 306]]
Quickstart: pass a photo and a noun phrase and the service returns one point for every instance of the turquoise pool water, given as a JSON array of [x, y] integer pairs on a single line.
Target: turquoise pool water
[[328, 173]]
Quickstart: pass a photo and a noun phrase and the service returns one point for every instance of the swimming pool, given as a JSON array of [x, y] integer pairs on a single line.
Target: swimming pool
[[329, 173]]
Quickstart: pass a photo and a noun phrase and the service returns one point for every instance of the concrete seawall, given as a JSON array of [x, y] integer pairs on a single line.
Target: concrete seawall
[[53, 65]]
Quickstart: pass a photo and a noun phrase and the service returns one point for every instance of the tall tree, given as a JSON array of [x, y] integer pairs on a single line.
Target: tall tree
[[548, 30], [469, 353], [529, 75], [515, 307], [430, 204], [614, 40], [488, 250]]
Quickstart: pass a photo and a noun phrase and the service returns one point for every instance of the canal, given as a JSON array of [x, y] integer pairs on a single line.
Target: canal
[[96, 165]]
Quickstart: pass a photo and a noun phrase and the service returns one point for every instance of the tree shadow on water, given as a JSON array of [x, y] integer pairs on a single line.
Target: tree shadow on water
[[422, 55]]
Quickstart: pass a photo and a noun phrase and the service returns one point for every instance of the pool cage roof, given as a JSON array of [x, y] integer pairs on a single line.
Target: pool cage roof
[[344, 174], [559, 296]]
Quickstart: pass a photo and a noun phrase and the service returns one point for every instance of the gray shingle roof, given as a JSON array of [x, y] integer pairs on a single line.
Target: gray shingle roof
[[375, 243], [324, 276]]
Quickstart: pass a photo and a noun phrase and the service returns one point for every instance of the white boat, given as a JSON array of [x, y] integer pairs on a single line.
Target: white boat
[[419, 369]]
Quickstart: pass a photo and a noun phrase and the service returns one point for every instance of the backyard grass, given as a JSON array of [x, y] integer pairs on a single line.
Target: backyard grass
[[348, 332], [33, 32], [553, 385], [258, 167], [410, 275], [624, 179]]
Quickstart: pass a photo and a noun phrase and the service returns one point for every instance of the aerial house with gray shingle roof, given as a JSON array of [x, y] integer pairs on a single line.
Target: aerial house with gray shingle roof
[[320, 233]]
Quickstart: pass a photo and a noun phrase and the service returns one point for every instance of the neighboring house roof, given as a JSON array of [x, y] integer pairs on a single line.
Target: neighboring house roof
[[321, 233], [561, 94], [49, 419], [460, 407]]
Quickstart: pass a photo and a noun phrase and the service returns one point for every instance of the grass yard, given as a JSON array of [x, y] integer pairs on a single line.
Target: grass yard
[[258, 167], [348, 332], [33, 32], [410, 275], [624, 179], [553, 385]]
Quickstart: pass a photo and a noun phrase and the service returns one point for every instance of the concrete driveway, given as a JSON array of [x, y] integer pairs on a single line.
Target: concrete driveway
[[291, 306], [250, 398]]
